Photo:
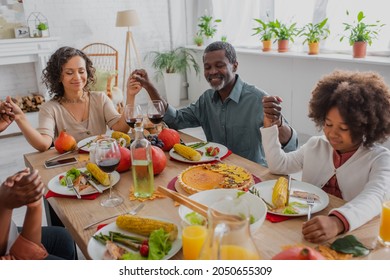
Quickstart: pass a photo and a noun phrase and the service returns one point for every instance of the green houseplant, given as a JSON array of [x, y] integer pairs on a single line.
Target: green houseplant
[[360, 33], [207, 26], [313, 34], [43, 29], [283, 33], [263, 30], [198, 40], [172, 65]]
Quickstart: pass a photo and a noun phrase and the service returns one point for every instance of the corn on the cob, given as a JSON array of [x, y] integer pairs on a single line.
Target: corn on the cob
[[117, 135], [187, 152], [144, 226], [98, 174], [280, 193]]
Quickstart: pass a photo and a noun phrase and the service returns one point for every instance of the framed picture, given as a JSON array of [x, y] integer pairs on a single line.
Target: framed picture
[[22, 32]]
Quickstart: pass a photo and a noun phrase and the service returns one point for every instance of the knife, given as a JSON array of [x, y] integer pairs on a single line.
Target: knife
[[133, 211], [69, 152], [91, 182], [288, 189]]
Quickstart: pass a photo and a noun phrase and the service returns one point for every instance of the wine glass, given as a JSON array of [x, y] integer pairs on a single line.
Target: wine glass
[[107, 157], [156, 111], [133, 114]]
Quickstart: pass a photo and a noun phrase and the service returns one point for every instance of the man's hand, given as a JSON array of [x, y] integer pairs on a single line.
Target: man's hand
[[272, 111], [141, 76], [21, 189]]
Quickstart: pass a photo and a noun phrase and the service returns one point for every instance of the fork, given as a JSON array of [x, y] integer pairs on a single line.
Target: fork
[[310, 204], [69, 184], [133, 211]]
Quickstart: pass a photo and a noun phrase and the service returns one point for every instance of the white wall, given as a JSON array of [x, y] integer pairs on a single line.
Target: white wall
[[291, 76], [80, 22]]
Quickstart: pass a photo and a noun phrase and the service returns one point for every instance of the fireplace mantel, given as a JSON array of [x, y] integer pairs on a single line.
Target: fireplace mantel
[[28, 50]]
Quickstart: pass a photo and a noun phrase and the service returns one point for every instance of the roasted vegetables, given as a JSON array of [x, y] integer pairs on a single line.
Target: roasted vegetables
[[280, 193], [187, 152], [98, 174], [144, 226], [118, 135]]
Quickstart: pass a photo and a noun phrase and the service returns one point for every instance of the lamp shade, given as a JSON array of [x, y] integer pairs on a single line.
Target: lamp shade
[[127, 18]]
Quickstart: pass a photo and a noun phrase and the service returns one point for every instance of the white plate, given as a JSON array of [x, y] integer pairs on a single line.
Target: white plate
[[85, 141], [256, 206], [96, 249], [222, 152], [55, 186], [265, 189]]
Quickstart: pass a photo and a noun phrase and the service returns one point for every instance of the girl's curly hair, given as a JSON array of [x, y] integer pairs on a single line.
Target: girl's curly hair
[[51, 75], [363, 100]]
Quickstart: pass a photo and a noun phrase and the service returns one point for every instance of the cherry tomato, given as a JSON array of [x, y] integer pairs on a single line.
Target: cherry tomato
[[144, 250]]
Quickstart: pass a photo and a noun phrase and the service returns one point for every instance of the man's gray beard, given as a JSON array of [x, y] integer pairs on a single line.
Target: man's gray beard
[[219, 87]]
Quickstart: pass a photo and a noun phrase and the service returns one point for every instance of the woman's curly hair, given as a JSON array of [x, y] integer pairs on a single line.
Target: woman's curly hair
[[363, 100], [52, 74]]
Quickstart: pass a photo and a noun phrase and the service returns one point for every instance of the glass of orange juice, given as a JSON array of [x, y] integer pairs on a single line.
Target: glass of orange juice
[[384, 228], [193, 237]]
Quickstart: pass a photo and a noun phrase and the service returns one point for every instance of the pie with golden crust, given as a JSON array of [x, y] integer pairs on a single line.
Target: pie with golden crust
[[214, 176]]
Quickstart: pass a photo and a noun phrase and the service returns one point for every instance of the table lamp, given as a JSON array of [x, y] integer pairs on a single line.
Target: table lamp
[[127, 19]]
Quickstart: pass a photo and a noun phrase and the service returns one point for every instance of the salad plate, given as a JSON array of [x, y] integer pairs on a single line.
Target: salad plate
[[55, 186], [223, 150], [264, 190], [96, 249]]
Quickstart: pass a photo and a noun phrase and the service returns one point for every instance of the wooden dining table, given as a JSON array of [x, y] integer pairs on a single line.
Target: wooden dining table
[[270, 238]]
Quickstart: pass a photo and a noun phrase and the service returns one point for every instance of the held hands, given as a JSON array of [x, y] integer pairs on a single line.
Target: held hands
[[22, 188], [322, 228], [272, 111], [6, 115]]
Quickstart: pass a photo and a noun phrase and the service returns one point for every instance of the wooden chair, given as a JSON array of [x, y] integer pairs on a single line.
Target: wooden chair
[[105, 60]]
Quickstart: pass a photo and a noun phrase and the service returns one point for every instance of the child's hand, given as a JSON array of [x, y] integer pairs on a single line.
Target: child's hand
[[322, 228]]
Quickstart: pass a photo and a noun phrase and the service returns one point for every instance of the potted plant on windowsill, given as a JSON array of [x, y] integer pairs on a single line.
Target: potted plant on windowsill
[[283, 33], [360, 34], [198, 40], [265, 33], [313, 34], [207, 27], [43, 29], [172, 65]]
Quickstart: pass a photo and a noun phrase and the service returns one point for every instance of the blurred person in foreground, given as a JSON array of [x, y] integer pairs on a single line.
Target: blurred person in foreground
[[353, 110], [25, 188], [231, 112]]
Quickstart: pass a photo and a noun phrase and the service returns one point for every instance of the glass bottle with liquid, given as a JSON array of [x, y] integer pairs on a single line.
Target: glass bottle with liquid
[[142, 164]]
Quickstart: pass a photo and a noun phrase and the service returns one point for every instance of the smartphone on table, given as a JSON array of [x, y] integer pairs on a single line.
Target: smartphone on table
[[60, 162]]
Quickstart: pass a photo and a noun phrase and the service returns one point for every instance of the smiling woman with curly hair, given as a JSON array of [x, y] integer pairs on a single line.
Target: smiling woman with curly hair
[[353, 110]]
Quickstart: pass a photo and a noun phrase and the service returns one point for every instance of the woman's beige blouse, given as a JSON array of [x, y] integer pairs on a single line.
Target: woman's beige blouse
[[53, 118]]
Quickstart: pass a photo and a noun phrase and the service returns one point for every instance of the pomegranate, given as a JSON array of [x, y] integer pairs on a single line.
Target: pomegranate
[[169, 137], [159, 160], [125, 162], [65, 142], [299, 253]]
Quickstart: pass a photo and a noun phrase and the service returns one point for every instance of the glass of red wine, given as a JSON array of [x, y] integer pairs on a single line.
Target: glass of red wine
[[133, 114], [156, 111], [107, 157]]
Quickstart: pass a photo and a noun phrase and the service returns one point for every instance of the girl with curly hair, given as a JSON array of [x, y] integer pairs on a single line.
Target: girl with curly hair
[[68, 76], [353, 110]]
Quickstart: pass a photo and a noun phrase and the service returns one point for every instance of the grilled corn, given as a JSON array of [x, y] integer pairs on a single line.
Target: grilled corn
[[280, 193], [118, 135], [98, 174], [144, 226], [187, 152]]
